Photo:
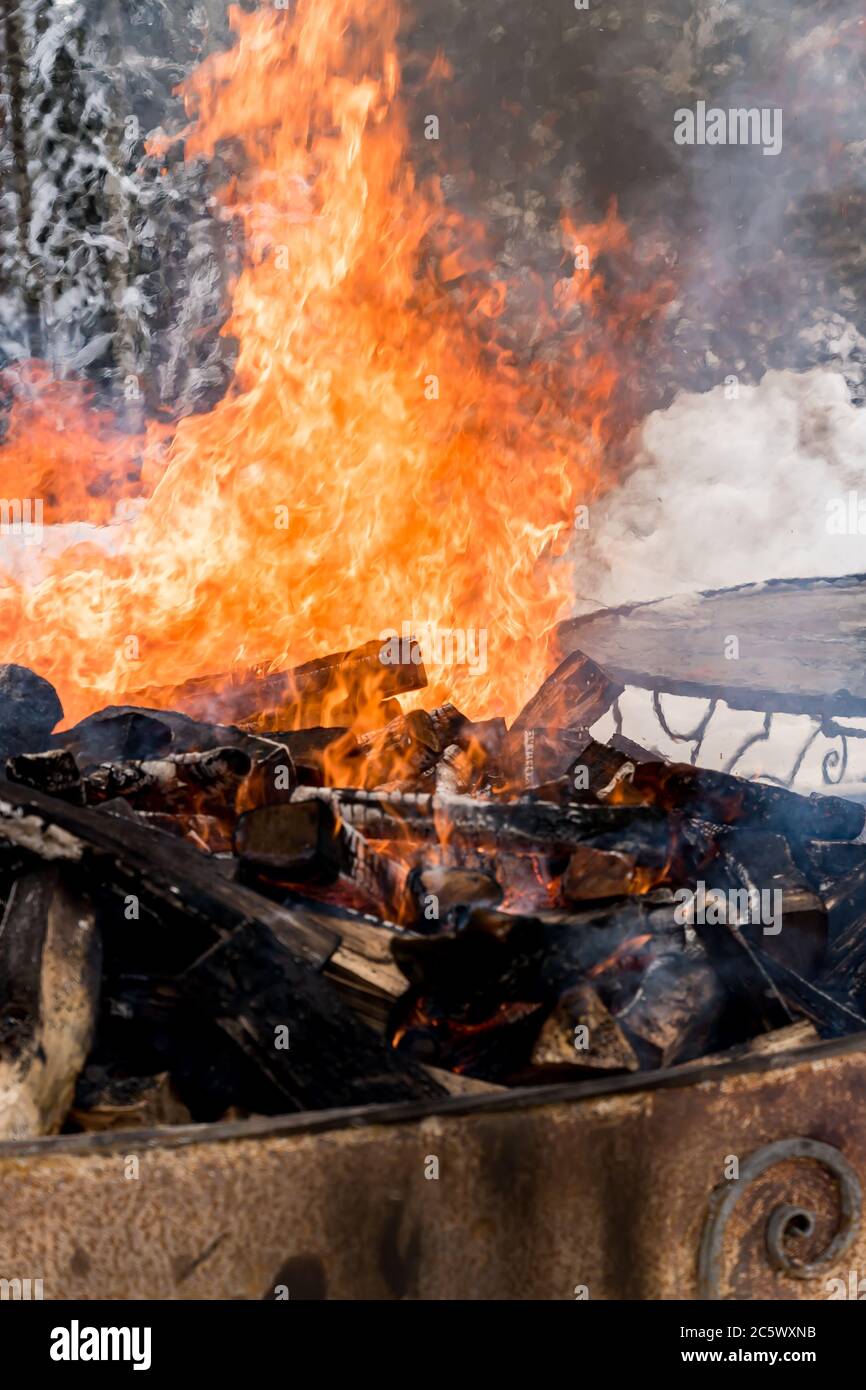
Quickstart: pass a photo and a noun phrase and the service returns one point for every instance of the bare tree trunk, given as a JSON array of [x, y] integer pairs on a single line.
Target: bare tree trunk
[[16, 89]]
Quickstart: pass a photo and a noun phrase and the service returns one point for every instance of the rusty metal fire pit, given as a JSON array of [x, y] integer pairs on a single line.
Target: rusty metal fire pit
[[605, 1191]]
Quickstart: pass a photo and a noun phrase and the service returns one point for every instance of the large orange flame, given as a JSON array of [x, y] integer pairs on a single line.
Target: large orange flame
[[378, 460]]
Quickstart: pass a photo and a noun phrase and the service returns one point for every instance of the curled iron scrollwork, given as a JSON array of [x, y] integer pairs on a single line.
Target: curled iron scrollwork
[[694, 736], [785, 1220], [835, 763]]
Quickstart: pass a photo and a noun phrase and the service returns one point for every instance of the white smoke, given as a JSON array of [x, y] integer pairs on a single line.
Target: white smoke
[[727, 491]]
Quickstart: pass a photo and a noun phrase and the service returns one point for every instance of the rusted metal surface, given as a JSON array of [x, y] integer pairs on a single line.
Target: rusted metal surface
[[625, 1192], [786, 1223]]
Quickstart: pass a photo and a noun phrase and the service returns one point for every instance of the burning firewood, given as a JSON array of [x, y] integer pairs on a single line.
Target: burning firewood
[[305, 842], [49, 988], [207, 782], [296, 843], [464, 768], [271, 779], [383, 879], [524, 824], [531, 757], [474, 1004], [452, 772], [132, 860], [606, 873], [573, 697], [440, 891], [447, 721], [484, 738], [489, 1044], [481, 899], [636, 859], [725, 799], [407, 746], [336, 686], [316, 752], [480, 996], [331, 1058]]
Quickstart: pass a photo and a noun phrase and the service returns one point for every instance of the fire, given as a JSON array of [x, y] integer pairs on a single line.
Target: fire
[[621, 956], [380, 459], [60, 451]]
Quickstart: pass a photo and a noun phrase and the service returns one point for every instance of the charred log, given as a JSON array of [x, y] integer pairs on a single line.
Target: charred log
[[773, 904], [133, 860], [727, 800], [55, 773], [49, 990], [296, 1030], [673, 1014], [573, 697], [194, 782], [517, 825], [106, 1101], [334, 685]]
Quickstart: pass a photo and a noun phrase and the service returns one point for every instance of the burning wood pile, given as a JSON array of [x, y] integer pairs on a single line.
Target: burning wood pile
[[286, 893]]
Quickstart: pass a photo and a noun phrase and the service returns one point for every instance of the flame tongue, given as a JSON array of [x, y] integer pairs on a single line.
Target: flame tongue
[[377, 466]]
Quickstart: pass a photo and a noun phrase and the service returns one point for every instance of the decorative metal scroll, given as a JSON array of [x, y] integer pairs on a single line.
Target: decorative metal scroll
[[694, 736], [834, 764], [784, 1220]]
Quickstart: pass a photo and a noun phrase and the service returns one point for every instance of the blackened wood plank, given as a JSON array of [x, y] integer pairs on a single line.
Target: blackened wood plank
[[296, 1029], [573, 697], [306, 842], [243, 695], [137, 860], [778, 908]]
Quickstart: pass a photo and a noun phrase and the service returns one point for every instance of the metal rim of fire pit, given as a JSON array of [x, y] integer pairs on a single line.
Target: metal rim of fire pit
[[823, 707], [517, 1098]]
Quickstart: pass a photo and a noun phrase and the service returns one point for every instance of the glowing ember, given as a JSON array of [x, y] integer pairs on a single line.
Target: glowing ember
[[620, 958], [378, 460]]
